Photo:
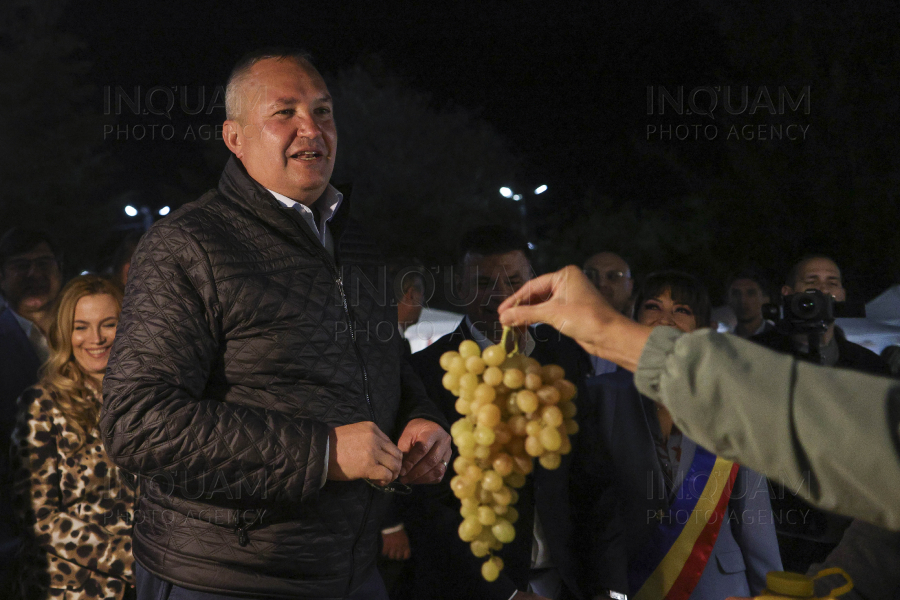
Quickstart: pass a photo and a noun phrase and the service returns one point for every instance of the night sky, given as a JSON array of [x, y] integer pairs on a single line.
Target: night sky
[[566, 84], [549, 76]]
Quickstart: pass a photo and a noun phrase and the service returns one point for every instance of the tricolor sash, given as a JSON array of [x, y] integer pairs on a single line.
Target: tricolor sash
[[671, 563]]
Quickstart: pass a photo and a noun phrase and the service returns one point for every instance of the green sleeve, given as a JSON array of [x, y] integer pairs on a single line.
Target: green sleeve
[[830, 434]]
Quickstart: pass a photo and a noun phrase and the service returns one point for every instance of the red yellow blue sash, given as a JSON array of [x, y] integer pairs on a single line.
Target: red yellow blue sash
[[671, 564]]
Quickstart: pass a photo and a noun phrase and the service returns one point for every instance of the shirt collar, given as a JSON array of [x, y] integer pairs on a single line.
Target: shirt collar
[[483, 341], [24, 323], [327, 204]]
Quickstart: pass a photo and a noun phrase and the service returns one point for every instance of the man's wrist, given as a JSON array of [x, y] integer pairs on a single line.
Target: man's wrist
[[618, 339]]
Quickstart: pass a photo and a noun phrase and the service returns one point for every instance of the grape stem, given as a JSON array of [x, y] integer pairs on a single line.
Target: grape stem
[[506, 331]]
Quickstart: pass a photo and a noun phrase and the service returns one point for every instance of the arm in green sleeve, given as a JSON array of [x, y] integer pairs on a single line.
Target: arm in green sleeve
[[829, 433]]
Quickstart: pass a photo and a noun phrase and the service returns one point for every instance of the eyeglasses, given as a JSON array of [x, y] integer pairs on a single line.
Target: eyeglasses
[[394, 487], [610, 276], [22, 266]]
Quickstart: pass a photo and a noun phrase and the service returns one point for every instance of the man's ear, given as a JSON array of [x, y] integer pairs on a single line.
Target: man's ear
[[231, 134]]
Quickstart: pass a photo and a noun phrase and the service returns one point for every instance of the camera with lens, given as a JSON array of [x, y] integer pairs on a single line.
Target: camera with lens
[[809, 311]]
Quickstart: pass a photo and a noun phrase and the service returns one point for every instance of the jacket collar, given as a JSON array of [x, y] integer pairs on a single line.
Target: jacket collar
[[237, 186]]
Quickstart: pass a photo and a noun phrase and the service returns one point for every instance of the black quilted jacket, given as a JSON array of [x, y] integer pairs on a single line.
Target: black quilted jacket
[[241, 342]]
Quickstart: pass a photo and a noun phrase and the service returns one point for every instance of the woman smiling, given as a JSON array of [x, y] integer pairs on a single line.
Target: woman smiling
[[70, 498], [694, 525]]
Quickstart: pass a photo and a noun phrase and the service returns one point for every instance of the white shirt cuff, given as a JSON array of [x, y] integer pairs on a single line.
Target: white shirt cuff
[[325, 469], [393, 529]]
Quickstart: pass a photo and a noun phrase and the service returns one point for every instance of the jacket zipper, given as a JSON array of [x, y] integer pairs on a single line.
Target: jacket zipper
[[331, 262], [340, 283]]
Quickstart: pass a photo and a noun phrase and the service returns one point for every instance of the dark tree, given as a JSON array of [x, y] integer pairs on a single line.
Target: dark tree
[[421, 174]]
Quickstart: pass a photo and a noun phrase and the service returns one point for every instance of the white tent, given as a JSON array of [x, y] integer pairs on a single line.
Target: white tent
[[886, 307], [881, 327], [432, 324], [871, 334]]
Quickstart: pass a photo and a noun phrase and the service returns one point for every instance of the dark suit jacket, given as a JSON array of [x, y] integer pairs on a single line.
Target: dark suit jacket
[[850, 355], [621, 424], [446, 567], [18, 371]]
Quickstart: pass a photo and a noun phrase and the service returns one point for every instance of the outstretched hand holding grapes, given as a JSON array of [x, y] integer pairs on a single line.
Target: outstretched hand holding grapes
[[569, 302]]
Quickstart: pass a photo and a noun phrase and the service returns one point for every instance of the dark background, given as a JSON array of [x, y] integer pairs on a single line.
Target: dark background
[[440, 104]]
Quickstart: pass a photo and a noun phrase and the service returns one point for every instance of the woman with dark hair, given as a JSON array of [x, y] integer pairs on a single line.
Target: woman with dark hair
[[696, 526], [70, 498]]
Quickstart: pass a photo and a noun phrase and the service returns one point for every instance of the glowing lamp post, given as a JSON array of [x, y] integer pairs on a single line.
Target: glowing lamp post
[[147, 214]]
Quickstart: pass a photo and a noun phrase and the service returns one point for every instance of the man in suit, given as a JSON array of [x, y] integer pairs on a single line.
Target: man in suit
[[746, 293], [612, 277], [540, 562]]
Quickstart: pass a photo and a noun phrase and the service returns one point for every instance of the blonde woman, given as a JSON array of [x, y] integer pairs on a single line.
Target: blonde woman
[[72, 501]]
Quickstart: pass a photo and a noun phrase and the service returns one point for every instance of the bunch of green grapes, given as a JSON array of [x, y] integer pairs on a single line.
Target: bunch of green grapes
[[514, 410]]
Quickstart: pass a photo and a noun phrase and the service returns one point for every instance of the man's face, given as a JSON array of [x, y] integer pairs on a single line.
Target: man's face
[[409, 308], [818, 274], [487, 281], [746, 298], [285, 135], [31, 280], [610, 273]]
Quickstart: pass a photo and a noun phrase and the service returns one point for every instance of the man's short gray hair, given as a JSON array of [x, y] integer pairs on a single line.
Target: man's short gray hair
[[241, 71]]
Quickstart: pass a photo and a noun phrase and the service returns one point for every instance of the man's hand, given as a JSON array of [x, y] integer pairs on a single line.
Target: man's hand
[[395, 545], [426, 450], [569, 302], [361, 450]]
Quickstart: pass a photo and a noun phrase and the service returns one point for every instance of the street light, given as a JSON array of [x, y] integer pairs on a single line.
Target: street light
[[507, 192], [131, 211]]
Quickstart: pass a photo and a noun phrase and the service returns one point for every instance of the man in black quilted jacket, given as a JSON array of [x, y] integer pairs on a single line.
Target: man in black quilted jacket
[[252, 386]]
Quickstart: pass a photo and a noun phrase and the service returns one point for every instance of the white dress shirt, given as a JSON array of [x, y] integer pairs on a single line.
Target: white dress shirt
[[327, 205]]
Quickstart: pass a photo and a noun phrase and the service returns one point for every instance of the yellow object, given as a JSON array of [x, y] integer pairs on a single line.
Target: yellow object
[[783, 584], [667, 571], [503, 427]]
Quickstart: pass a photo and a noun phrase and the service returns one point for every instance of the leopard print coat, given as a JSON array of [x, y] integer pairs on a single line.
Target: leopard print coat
[[73, 508]]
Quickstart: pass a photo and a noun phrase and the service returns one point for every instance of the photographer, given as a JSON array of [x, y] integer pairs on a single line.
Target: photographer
[[807, 331], [819, 273]]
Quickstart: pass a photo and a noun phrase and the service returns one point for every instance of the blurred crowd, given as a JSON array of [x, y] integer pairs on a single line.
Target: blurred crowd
[[67, 510]]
